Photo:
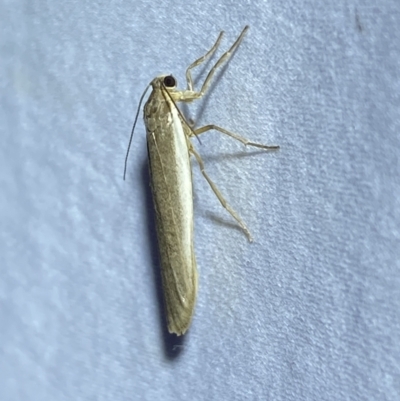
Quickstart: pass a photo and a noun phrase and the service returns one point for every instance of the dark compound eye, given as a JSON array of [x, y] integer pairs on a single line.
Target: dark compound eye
[[169, 81]]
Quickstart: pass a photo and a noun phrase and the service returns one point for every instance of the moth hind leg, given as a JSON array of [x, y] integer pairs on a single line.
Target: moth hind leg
[[219, 195]]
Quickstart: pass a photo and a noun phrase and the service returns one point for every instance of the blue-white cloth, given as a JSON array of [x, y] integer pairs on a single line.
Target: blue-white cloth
[[309, 311]]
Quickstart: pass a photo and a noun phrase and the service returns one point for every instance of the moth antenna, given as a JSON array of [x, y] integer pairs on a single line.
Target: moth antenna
[[133, 129]]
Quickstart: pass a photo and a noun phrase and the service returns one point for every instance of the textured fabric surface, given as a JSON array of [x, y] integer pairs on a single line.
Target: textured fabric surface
[[309, 311]]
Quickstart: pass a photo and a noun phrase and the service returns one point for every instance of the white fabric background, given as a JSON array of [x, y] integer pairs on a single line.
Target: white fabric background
[[310, 311]]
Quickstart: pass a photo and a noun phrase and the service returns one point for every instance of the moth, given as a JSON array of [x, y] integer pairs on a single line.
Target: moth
[[169, 147]]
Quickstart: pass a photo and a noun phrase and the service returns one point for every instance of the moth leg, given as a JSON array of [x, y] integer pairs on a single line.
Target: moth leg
[[222, 59], [239, 138], [190, 94], [224, 203], [196, 63]]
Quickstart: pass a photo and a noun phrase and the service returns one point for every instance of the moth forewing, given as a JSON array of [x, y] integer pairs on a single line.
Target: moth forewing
[[171, 183], [169, 149]]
